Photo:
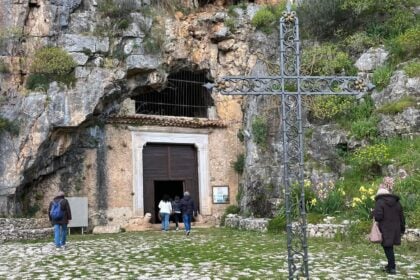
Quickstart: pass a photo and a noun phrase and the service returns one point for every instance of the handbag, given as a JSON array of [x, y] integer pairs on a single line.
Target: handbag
[[375, 235]]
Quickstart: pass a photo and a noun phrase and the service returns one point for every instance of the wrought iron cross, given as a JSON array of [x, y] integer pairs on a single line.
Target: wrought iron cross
[[292, 130]]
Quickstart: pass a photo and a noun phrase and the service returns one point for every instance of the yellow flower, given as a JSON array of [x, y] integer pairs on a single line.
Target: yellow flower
[[313, 201], [372, 197], [343, 192], [356, 201], [362, 189], [363, 197], [371, 191], [306, 183]]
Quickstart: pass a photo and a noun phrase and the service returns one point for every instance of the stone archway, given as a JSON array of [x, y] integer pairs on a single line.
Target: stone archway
[[198, 138]]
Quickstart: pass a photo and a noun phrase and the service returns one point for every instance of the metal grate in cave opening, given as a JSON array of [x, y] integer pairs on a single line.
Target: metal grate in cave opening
[[184, 96]]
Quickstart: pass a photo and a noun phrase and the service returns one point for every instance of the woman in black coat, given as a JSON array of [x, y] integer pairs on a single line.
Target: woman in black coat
[[390, 217]]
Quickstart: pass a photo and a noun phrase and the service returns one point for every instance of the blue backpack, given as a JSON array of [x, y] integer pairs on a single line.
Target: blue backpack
[[56, 213]]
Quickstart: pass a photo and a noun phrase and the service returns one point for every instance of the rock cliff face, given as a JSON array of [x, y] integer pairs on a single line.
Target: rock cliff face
[[118, 59], [58, 126]]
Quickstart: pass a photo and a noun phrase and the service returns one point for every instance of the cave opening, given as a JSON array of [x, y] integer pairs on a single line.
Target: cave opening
[[184, 96]]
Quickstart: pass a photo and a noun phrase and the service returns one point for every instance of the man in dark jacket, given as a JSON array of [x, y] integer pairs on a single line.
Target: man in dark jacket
[[60, 223], [187, 208], [390, 217]]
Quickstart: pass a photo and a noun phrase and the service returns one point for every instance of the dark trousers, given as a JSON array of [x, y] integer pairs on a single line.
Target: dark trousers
[[177, 218], [389, 253]]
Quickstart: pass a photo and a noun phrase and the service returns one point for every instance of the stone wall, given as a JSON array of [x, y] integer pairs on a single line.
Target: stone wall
[[24, 229], [327, 230]]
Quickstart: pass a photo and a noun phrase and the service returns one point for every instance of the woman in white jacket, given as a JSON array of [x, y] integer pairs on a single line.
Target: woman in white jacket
[[165, 210]]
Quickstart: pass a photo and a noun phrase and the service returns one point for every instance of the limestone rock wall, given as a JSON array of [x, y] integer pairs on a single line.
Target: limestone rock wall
[[63, 142]]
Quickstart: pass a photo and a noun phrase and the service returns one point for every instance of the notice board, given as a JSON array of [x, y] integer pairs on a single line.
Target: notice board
[[79, 211]]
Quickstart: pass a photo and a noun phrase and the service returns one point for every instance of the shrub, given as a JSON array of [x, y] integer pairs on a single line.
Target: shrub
[[405, 152], [371, 156], [267, 18], [333, 203], [42, 81], [278, 223], [380, 18], [314, 218], [123, 24], [362, 110], [412, 69], [328, 107], [260, 131], [241, 135], [358, 42], [360, 120], [52, 60], [310, 195], [322, 18], [7, 125], [264, 20], [231, 209], [406, 45], [239, 164], [326, 59], [155, 38], [409, 192], [38, 82], [382, 76], [400, 20], [116, 9], [3, 67], [50, 64], [399, 106], [231, 24], [358, 230], [365, 128]]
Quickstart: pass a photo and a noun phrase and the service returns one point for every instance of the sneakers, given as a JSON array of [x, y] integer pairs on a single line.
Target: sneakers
[[176, 228], [389, 270], [187, 233]]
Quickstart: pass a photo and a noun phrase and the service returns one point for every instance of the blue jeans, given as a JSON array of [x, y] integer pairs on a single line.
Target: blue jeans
[[187, 221], [60, 234], [165, 221]]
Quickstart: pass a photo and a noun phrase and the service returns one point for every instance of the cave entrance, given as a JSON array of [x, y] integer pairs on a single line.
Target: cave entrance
[[184, 96], [171, 188]]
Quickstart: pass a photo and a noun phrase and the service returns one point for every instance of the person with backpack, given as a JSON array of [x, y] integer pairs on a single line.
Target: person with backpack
[[59, 213]]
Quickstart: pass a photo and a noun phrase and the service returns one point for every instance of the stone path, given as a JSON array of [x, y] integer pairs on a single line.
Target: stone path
[[206, 254]]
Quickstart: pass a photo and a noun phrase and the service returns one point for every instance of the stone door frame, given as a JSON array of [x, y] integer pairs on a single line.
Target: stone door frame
[[142, 136]]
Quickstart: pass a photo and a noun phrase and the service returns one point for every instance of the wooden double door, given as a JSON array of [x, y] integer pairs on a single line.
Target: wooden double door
[[168, 169]]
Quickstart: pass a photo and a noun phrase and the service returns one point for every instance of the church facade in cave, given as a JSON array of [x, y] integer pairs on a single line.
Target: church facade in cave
[[166, 142]]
